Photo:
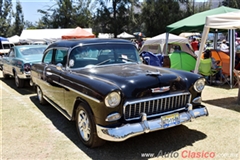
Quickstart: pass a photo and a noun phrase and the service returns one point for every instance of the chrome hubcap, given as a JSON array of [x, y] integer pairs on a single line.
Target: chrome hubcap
[[16, 80], [39, 93], [84, 125]]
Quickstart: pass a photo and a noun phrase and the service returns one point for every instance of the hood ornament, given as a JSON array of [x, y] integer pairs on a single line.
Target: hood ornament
[[160, 89], [151, 73]]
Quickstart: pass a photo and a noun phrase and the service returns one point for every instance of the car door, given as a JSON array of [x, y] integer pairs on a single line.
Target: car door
[[51, 75], [43, 76], [8, 61], [54, 74]]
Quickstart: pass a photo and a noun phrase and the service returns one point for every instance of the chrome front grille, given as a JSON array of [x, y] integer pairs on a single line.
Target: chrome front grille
[[155, 106]]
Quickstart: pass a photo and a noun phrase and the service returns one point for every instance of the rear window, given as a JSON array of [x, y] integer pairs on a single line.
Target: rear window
[[30, 51]]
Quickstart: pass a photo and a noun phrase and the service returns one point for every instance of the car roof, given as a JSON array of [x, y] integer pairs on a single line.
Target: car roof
[[30, 46], [73, 42]]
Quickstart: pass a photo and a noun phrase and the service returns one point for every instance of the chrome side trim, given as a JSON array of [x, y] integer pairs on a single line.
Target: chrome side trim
[[55, 106], [82, 94], [130, 130]]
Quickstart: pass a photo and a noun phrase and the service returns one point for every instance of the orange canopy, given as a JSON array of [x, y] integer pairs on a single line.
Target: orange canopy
[[78, 33]]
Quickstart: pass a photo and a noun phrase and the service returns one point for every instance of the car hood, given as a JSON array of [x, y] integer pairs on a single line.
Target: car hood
[[139, 80]]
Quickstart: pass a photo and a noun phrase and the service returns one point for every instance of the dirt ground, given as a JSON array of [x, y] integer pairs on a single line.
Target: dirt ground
[[31, 131]]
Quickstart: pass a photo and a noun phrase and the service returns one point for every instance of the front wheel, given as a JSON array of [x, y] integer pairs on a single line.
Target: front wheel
[[86, 127]]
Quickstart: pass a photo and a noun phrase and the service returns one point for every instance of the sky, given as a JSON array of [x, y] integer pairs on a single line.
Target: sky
[[30, 8]]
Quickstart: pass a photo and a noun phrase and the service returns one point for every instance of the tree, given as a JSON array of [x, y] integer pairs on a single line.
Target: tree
[[83, 16], [114, 15], [225, 3], [18, 24], [203, 6], [101, 20], [67, 14], [231, 3], [30, 25], [134, 12], [5, 17], [157, 14]]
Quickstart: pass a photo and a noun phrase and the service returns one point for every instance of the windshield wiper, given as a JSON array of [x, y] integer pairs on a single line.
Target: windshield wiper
[[130, 60], [105, 61]]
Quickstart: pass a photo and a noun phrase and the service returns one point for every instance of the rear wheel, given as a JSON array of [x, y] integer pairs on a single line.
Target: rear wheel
[[18, 82], [86, 127], [40, 96]]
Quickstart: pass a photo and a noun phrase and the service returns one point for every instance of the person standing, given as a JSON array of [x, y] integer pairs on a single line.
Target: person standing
[[194, 44]]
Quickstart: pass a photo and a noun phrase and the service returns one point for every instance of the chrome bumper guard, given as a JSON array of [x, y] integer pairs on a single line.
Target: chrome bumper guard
[[130, 130], [25, 75]]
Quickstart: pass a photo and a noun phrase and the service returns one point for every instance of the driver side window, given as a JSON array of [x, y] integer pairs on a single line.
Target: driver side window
[[48, 57], [60, 57]]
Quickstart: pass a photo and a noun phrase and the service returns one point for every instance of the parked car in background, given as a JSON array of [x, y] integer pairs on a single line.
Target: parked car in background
[[17, 63], [39, 43], [5, 47], [103, 85]]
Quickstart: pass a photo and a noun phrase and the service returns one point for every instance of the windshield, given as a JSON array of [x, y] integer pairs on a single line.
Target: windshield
[[102, 54]]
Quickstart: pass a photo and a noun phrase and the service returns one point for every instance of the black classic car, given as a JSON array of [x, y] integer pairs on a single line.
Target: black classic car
[[103, 85]]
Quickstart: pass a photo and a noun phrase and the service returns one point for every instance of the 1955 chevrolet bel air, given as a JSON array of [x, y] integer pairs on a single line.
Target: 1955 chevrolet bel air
[[103, 86]]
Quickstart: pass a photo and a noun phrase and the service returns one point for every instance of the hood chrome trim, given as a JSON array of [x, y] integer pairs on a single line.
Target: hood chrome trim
[[160, 89]]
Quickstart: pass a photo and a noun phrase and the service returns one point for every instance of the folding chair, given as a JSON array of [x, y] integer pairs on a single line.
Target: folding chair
[[205, 69], [225, 73], [237, 75]]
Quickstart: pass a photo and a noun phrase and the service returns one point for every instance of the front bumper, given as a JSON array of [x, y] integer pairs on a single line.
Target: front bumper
[[130, 130]]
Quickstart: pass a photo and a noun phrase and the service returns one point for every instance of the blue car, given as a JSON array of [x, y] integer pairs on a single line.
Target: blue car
[[17, 63]]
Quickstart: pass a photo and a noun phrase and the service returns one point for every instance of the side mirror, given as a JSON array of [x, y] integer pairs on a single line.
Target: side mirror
[[71, 63]]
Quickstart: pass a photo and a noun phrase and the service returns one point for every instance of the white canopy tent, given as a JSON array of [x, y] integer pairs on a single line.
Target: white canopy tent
[[125, 35], [229, 20], [105, 35], [14, 39], [158, 42], [46, 35], [189, 34]]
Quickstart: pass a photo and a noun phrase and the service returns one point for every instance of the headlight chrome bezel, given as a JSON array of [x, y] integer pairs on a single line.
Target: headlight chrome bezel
[[199, 85], [113, 99]]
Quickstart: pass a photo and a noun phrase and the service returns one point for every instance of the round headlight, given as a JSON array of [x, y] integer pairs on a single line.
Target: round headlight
[[199, 85], [112, 99]]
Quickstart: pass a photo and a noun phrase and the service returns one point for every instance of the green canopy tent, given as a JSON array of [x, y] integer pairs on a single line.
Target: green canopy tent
[[182, 61], [196, 22]]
